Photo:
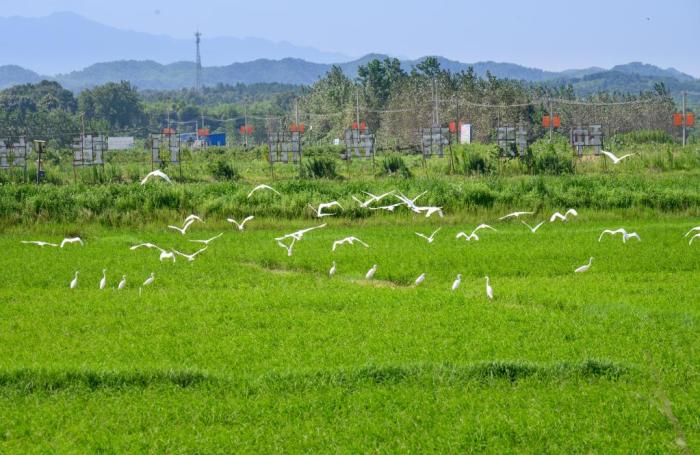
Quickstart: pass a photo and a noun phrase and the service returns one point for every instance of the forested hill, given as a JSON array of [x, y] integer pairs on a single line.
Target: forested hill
[[150, 75]]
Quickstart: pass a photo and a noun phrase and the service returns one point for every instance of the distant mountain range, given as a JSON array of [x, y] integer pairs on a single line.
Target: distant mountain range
[[632, 77]]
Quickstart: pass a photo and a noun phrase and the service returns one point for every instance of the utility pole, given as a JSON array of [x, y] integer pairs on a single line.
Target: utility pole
[[551, 120], [436, 113], [357, 109], [296, 122], [684, 122], [198, 63], [245, 125]]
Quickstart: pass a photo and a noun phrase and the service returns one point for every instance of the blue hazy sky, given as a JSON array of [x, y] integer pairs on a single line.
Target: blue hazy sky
[[547, 34]]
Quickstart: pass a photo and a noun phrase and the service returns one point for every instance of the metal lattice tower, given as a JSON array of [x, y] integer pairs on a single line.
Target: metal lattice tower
[[198, 78]]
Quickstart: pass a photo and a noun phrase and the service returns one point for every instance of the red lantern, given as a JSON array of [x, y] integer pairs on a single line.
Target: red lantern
[[249, 130], [453, 127], [293, 128], [677, 119], [545, 121], [302, 128], [354, 125], [363, 126], [690, 119], [556, 121]]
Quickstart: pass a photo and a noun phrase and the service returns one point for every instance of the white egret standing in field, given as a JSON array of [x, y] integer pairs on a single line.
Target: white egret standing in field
[[182, 230], [489, 289], [692, 239], [150, 280], [241, 225], [103, 281], [74, 282], [584, 268], [695, 229], [565, 217], [71, 240], [533, 229], [614, 158], [457, 282], [515, 215], [420, 279], [190, 257], [348, 240], [208, 241], [430, 239], [332, 271], [370, 273], [122, 283], [156, 174], [319, 211], [38, 243], [263, 187]]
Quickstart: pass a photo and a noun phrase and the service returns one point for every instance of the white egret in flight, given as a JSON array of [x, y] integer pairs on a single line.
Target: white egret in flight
[[565, 217], [695, 229], [350, 241], [191, 257], [533, 229], [241, 225], [71, 240], [326, 205], [208, 241], [614, 158], [156, 174], [430, 239], [38, 243], [263, 187], [515, 215], [182, 230]]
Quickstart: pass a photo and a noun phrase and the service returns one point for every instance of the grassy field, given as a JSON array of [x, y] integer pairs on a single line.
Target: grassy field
[[248, 350]]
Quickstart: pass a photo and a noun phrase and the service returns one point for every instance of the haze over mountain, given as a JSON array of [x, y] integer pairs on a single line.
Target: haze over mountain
[[63, 42], [70, 45]]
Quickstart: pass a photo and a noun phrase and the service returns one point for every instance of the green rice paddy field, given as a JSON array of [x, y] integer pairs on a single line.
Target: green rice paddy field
[[248, 350]]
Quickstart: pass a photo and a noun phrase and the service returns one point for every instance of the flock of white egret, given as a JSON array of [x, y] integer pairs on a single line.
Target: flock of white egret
[[288, 241]]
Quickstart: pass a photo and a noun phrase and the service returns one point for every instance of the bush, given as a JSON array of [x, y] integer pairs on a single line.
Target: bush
[[394, 165], [551, 158], [643, 137], [222, 170], [476, 159], [320, 168]]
